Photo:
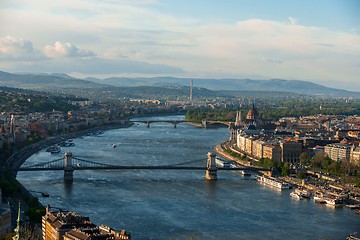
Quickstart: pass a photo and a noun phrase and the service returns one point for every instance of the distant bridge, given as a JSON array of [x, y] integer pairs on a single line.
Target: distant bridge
[[69, 164], [204, 123]]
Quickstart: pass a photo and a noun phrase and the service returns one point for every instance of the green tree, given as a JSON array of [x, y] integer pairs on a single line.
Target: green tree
[[285, 169], [317, 159], [305, 159]]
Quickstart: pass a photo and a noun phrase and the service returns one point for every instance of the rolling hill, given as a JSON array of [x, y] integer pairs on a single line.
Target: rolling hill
[[218, 87]]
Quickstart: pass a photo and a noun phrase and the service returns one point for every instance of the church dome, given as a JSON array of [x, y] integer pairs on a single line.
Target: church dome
[[252, 114]]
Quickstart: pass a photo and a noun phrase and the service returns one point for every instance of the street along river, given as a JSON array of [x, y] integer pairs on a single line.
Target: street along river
[[178, 204]]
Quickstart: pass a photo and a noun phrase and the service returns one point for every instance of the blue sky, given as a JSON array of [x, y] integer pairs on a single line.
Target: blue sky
[[317, 40]]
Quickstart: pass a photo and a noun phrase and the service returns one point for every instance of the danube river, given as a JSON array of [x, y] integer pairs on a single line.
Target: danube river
[[179, 204]]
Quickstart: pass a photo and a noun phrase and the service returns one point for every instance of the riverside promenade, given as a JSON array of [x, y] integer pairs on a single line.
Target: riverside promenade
[[221, 148]]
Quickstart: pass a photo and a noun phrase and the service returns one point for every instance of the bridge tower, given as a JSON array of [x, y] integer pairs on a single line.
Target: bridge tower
[[68, 167], [204, 124], [211, 169]]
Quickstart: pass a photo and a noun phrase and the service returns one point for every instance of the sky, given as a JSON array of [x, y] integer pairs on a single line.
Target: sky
[[316, 41]]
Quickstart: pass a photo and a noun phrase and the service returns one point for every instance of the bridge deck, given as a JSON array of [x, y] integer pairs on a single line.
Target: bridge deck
[[138, 168]]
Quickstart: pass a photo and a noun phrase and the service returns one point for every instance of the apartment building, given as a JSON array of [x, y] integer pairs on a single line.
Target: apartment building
[[66, 225], [338, 152]]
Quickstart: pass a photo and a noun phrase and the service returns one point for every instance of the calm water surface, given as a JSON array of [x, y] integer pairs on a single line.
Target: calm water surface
[[154, 204]]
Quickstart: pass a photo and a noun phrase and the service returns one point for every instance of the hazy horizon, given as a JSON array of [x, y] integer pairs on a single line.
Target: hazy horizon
[[293, 40]]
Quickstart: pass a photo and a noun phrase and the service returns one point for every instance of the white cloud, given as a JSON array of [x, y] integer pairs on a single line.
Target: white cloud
[[15, 45], [18, 49], [60, 49], [129, 31]]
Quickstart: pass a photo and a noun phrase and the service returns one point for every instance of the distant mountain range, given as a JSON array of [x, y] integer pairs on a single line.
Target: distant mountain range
[[43, 81], [230, 87], [277, 85]]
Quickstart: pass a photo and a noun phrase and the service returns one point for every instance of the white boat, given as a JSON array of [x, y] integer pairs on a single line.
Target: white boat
[[222, 163], [303, 192], [296, 195], [245, 172], [353, 206], [333, 201], [68, 143], [273, 182], [319, 197], [54, 149]]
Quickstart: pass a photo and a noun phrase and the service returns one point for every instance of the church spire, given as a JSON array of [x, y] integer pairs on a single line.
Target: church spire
[[238, 120], [17, 229]]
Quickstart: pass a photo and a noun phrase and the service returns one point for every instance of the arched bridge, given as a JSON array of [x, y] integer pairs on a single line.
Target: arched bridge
[[69, 164], [203, 123]]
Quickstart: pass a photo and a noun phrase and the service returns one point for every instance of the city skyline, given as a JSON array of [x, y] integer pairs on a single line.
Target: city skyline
[[296, 40]]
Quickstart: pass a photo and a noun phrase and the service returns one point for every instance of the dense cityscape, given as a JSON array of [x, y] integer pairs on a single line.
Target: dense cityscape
[[189, 120], [318, 153]]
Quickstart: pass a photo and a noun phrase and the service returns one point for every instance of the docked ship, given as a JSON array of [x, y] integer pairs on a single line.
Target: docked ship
[[296, 195], [222, 163], [273, 182], [303, 192], [333, 201], [319, 197], [245, 172]]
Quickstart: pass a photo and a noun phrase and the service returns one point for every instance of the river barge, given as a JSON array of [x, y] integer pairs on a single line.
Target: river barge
[[271, 181]]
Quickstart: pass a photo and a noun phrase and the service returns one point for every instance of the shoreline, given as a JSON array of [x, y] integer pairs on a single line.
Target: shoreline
[[219, 149], [17, 159]]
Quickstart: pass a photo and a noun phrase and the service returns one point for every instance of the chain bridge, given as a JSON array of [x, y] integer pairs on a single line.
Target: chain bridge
[[204, 123], [69, 164]]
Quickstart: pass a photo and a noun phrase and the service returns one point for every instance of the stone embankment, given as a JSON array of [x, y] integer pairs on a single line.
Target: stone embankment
[[221, 148]]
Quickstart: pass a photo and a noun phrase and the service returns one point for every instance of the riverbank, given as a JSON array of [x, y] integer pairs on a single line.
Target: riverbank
[[23, 196], [175, 204], [221, 148], [17, 159]]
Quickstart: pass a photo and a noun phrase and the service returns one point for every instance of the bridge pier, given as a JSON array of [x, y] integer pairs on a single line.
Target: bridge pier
[[68, 167], [148, 124], [211, 169], [203, 124], [175, 124]]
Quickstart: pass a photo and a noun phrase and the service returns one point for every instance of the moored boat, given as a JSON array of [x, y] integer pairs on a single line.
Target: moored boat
[[54, 149], [333, 201], [353, 206], [319, 197], [68, 143], [245, 172], [303, 192], [222, 163], [296, 195], [273, 182]]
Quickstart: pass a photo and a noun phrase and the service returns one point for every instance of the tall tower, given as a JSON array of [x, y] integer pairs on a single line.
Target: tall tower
[[12, 126], [238, 121], [17, 229], [191, 90]]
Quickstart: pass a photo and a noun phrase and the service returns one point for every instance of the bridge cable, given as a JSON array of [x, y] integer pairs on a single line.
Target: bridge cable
[[42, 164], [183, 163]]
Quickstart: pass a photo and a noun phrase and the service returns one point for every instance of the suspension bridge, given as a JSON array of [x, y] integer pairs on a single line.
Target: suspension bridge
[[70, 163], [204, 123]]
